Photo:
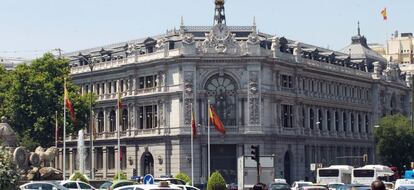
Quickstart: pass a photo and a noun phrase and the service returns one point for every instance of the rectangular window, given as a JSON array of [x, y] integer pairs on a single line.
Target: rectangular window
[[111, 157], [122, 85], [287, 111], [109, 87], [141, 117], [149, 115], [141, 82], [155, 116], [99, 158], [149, 81], [123, 157]]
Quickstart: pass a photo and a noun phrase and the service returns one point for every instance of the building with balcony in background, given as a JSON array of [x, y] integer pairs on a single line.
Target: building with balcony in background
[[301, 103]]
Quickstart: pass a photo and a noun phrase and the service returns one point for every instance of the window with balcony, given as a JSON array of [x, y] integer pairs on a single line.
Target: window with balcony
[[287, 81], [148, 117], [359, 123], [366, 124], [320, 119], [141, 117], [336, 121], [124, 119], [344, 121], [311, 118], [112, 121], [141, 82], [352, 122], [148, 82], [100, 122], [287, 111], [328, 117]]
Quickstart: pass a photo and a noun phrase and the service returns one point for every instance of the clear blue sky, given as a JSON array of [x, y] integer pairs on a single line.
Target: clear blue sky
[[31, 27]]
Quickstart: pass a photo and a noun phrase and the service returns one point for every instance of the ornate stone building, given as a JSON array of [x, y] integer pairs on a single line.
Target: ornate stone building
[[301, 103]]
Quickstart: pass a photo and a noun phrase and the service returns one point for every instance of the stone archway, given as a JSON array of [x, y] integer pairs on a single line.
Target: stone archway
[[287, 167], [147, 164]]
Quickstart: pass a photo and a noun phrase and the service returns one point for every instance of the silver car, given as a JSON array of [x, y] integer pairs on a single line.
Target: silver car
[[42, 185]]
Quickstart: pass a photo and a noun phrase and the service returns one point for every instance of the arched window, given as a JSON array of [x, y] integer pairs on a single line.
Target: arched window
[[100, 122], [112, 121], [344, 121], [311, 119], [124, 120], [221, 91]]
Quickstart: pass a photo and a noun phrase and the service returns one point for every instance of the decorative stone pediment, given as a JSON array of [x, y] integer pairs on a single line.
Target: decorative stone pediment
[[220, 40]]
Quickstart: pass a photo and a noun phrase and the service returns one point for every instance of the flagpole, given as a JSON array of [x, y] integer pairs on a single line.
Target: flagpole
[[192, 145], [208, 139], [64, 133], [118, 127], [56, 129]]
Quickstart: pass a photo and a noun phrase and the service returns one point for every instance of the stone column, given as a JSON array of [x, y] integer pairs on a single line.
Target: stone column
[[104, 162], [71, 161]]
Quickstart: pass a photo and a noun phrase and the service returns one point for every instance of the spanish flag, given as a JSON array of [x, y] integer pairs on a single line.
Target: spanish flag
[[215, 120], [119, 106], [384, 14], [69, 105], [193, 124]]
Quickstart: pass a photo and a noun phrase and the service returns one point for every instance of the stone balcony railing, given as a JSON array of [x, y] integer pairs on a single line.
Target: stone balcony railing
[[125, 61], [230, 130]]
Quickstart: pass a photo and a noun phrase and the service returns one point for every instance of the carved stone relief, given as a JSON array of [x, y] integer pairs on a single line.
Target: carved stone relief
[[188, 95], [220, 40], [254, 98]]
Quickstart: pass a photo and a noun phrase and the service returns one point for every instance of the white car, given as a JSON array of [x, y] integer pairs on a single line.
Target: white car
[[161, 186], [36, 185], [298, 184], [76, 185], [187, 187]]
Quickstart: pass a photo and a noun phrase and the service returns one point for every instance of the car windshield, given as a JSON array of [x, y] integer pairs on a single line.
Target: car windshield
[[334, 185], [106, 185], [274, 186]]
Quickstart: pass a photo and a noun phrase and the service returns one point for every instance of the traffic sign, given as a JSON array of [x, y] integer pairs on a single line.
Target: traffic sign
[[148, 179]]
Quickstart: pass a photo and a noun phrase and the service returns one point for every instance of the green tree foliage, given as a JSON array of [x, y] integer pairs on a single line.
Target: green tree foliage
[[35, 94], [77, 176], [395, 140], [216, 182], [4, 86], [9, 178], [120, 176], [183, 176]]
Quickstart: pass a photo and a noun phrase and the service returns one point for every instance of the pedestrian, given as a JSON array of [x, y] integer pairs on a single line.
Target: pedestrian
[[377, 185]]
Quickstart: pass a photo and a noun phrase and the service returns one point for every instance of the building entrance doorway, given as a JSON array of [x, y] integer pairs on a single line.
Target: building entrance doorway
[[224, 159], [147, 164]]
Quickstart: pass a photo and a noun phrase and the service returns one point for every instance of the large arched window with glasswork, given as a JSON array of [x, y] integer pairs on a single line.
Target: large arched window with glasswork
[[222, 91]]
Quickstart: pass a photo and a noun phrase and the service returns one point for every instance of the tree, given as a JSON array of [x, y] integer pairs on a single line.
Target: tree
[[9, 178], [35, 94], [216, 182], [77, 176], [395, 140], [120, 176], [183, 176], [4, 87]]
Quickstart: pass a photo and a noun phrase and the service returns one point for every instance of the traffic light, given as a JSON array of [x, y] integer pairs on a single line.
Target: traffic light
[[255, 152]]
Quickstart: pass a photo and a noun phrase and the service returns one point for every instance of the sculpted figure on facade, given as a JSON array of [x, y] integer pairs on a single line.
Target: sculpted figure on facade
[[220, 40], [254, 98], [297, 52]]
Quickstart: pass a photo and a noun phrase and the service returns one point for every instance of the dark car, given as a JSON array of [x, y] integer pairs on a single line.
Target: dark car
[[279, 186]]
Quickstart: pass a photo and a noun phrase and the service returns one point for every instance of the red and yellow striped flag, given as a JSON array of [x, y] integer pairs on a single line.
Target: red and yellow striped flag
[[215, 120], [384, 13], [68, 104]]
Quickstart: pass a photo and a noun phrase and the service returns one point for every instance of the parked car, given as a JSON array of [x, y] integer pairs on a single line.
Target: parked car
[[335, 185], [73, 185], [298, 184], [49, 185], [354, 187], [389, 185], [313, 187], [171, 180], [162, 185], [187, 187], [232, 186], [405, 187], [279, 186], [110, 185]]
